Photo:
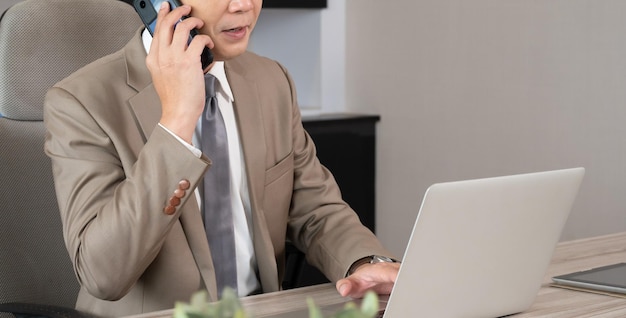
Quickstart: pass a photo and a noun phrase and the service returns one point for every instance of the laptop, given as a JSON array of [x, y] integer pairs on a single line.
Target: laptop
[[481, 248]]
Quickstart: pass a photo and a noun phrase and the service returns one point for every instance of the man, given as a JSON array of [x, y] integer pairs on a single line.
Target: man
[[123, 136]]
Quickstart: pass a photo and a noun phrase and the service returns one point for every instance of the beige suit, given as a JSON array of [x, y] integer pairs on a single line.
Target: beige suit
[[115, 170]]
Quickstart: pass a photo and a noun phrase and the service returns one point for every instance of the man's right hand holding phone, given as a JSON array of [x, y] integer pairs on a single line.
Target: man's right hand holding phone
[[176, 69]]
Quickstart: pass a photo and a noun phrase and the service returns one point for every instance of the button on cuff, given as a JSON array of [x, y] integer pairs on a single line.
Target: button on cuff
[[175, 200]]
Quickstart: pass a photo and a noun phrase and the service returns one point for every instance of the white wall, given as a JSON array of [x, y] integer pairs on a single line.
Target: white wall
[[311, 44], [470, 89]]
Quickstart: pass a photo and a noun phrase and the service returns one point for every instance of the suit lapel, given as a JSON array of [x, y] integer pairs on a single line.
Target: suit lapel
[[248, 111], [146, 105], [146, 108]]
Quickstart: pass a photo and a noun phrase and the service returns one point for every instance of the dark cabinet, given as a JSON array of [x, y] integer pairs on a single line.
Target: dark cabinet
[[346, 145]]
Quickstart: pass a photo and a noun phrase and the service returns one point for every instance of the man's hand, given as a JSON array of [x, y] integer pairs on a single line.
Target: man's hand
[[176, 69], [378, 277]]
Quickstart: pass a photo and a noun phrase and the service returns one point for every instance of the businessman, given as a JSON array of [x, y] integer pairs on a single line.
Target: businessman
[[130, 137]]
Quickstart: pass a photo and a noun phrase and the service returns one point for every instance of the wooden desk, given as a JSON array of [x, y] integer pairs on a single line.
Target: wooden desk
[[550, 302], [575, 256]]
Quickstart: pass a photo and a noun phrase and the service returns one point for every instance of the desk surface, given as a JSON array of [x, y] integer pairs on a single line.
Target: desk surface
[[550, 302]]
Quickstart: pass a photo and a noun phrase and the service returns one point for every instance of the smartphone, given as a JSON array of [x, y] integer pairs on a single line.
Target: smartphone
[[147, 10]]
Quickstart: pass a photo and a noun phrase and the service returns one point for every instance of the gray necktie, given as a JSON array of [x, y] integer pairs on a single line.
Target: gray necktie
[[218, 215]]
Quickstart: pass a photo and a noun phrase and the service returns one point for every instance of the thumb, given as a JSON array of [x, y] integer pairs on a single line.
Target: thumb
[[344, 287]]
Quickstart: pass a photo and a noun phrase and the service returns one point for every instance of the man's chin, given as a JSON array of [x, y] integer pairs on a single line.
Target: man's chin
[[232, 52]]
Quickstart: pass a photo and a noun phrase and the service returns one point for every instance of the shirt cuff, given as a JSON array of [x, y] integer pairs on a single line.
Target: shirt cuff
[[197, 152]]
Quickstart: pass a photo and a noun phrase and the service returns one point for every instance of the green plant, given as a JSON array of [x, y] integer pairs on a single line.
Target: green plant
[[199, 307], [368, 309], [230, 307]]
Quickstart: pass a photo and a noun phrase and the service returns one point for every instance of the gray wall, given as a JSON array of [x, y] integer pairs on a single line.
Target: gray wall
[[470, 89], [292, 36], [311, 44]]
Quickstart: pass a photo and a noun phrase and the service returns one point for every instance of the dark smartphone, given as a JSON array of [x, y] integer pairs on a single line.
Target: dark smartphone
[[147, 10]]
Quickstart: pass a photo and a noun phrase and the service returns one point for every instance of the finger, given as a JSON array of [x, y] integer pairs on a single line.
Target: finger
[[167, 20], [355, 287], [344, 287], [197, 47], [164, 9], [199, 43], [183, 29]]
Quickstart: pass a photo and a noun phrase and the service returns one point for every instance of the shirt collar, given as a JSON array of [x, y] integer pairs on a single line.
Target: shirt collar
[[216, 70]]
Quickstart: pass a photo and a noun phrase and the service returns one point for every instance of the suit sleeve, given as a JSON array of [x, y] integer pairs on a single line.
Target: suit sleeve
[[320, 222], [113, 212]]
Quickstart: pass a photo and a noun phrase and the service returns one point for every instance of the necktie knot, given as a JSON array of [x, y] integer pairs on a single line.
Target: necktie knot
[[209, 85], [210, 98]]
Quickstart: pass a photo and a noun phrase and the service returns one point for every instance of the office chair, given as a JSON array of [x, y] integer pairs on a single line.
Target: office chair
[[41, 42]]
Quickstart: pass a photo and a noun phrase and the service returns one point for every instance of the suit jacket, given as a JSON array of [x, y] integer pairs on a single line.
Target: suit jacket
[[115, 170]]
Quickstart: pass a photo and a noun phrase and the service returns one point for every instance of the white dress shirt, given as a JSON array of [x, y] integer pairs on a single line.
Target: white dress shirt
[[247, 280]]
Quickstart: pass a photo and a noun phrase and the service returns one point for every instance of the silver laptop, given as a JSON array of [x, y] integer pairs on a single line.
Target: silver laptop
[[481, 248]]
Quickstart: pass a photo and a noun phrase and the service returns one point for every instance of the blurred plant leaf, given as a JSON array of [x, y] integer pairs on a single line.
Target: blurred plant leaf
[[230, 307], [369, 305], [314, 311]]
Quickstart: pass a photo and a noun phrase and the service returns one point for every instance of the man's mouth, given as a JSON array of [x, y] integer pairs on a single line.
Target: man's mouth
[[236, 33], [237, 29]]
